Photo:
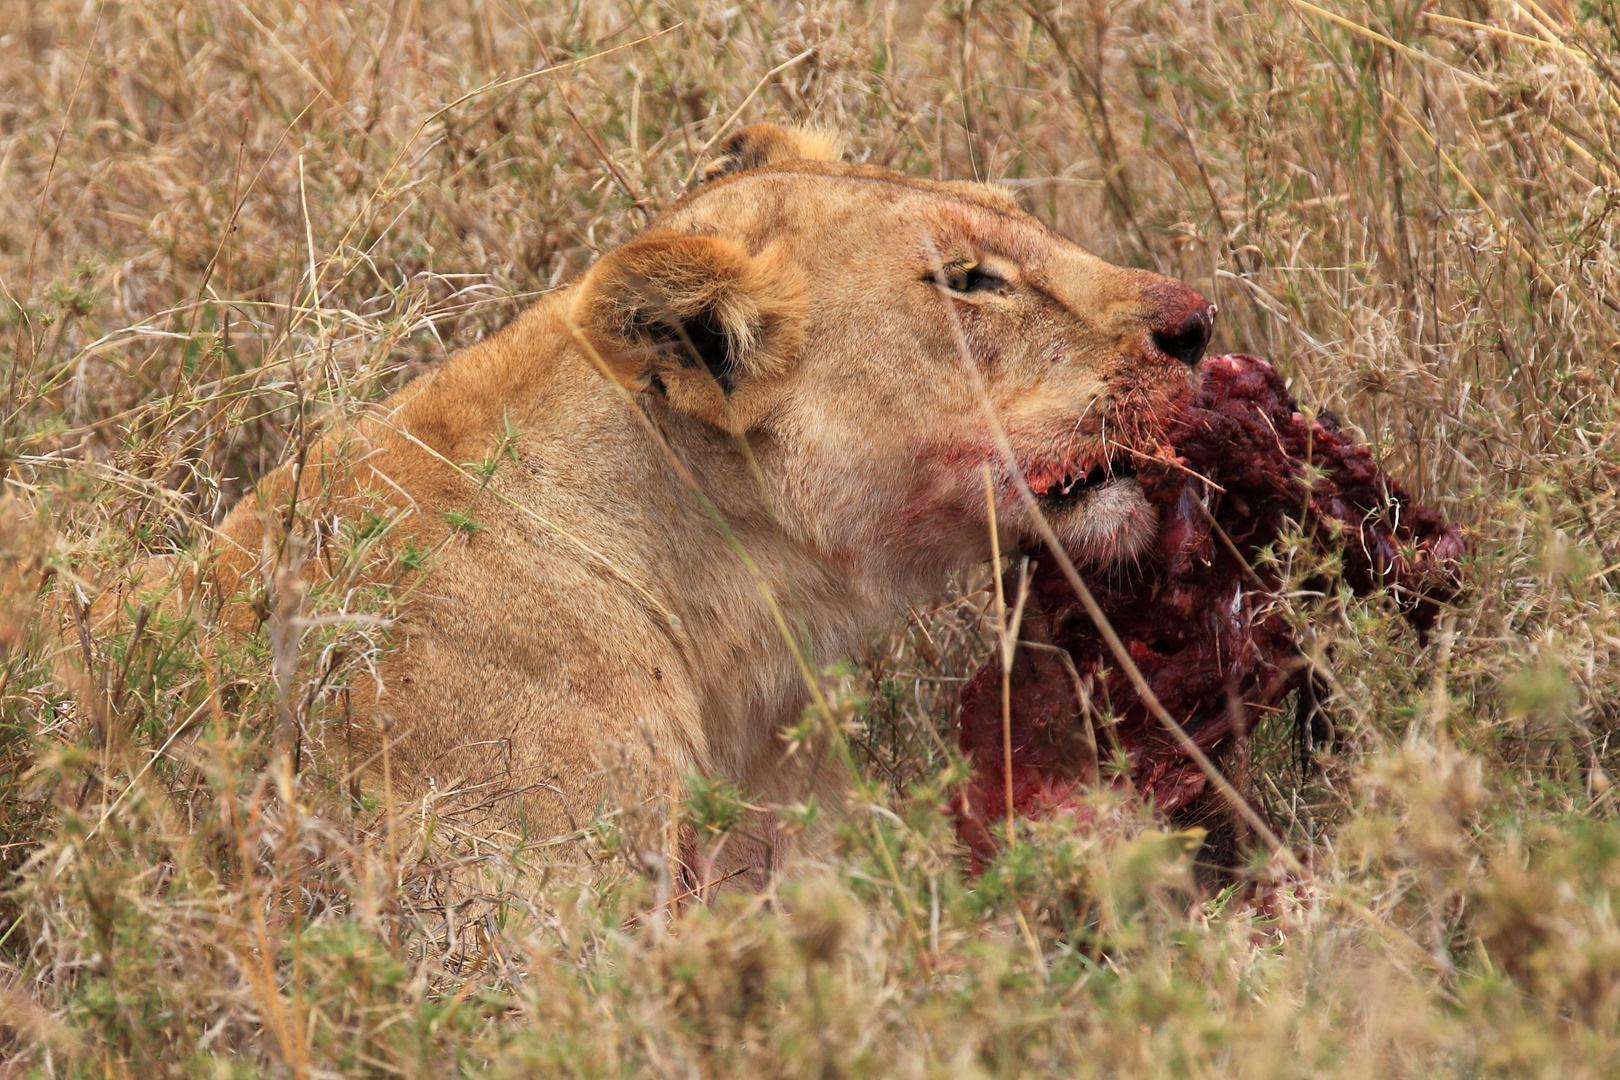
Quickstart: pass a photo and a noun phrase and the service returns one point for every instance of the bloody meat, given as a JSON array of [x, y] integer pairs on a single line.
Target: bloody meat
[[1197, 613]]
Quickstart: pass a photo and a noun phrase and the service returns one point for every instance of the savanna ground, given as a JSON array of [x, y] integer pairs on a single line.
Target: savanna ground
[[223, 222]]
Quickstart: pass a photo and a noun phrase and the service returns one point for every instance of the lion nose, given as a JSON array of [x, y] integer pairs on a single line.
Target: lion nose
[[1181, 327]]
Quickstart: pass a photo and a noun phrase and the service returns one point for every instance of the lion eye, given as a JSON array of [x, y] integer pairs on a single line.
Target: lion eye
[[966, 277]]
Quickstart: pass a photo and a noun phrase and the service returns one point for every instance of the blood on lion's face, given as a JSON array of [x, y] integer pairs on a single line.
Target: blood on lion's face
[[922, 349]]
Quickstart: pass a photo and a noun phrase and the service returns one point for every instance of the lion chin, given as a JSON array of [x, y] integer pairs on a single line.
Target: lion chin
[[1108, 524]]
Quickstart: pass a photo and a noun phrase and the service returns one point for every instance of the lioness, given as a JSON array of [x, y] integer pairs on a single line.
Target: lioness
[[768, 417]]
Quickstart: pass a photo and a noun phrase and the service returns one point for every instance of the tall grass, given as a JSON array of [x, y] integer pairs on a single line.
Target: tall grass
[[223, 223]]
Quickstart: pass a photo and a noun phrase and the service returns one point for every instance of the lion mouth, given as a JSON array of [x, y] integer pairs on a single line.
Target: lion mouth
[[1099, 513], [1066, 491]]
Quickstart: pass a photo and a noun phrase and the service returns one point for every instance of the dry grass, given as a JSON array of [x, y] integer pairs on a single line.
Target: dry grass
[[222, 222]]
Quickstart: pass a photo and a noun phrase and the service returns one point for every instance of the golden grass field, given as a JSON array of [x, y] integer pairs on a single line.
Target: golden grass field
[[224, 221]]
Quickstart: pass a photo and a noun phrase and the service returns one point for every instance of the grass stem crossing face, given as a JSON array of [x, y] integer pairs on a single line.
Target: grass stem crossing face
[[915, 332]]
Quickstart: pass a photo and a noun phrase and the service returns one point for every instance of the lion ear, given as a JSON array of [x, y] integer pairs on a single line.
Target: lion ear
[[695, 318], [758, 145]]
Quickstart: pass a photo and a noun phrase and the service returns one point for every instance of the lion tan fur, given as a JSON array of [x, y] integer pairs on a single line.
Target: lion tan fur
[[831, 355]]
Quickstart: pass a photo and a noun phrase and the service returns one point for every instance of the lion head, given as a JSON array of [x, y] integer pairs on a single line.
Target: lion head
[[884, 343]]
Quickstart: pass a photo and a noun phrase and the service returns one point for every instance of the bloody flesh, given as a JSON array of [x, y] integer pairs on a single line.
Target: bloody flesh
[[1198, 613]]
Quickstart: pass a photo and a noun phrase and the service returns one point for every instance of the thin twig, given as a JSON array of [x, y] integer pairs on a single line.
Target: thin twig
[[697, 159]]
